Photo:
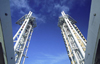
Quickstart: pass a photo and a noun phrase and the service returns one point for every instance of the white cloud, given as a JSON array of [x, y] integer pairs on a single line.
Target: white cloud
[[63, 1], [19, 4], [72, 3], [58, 58], [37, 2], [22, 12], [51, 59], [39, 62], [39, 18], [61, 8], [49, 6]]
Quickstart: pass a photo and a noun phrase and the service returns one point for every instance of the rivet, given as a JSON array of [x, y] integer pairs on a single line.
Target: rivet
[[95, 14], [11, 57], [6, 14]]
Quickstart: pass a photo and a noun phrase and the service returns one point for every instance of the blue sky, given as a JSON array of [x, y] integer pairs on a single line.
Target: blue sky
[[47, 45]]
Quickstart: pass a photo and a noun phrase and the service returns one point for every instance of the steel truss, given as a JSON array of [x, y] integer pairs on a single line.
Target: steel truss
[[76, 45], [22, 37]]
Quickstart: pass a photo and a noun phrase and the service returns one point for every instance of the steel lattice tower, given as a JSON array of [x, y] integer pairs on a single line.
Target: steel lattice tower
[[73, 38], [23, 36]]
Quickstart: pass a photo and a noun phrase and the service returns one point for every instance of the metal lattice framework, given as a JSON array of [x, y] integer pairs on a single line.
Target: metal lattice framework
[[23, 36], [74, 40]]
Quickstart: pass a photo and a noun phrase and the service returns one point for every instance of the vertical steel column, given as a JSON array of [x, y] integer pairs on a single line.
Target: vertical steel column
[[23, 37], [23, 29], [69, 44], [80, 37], [22, 50], [80, 48], [77, 60], [27, 46], [18, 48], [75, 42]]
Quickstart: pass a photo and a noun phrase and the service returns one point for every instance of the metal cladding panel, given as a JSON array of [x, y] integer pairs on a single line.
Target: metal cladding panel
[[93, 31], [6, 27]]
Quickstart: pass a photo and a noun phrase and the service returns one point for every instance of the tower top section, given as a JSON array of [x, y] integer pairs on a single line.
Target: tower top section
[[61, 18], [32, 19]]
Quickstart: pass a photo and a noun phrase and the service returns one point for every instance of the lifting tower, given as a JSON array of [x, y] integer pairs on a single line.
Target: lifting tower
[[23, 36], [73, 38]]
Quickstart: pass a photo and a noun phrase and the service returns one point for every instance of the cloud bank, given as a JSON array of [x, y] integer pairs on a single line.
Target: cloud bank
[[51, 59], [43, 9]]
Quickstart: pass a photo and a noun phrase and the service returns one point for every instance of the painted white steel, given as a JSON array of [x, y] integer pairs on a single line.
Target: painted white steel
[[83, 53], [21, 38], [76, 57], [27, 47], [22, 32], [73, 50], [80, 48], [20, 57], [67, 46], [77, 60], [29, 14], [80, 37]]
